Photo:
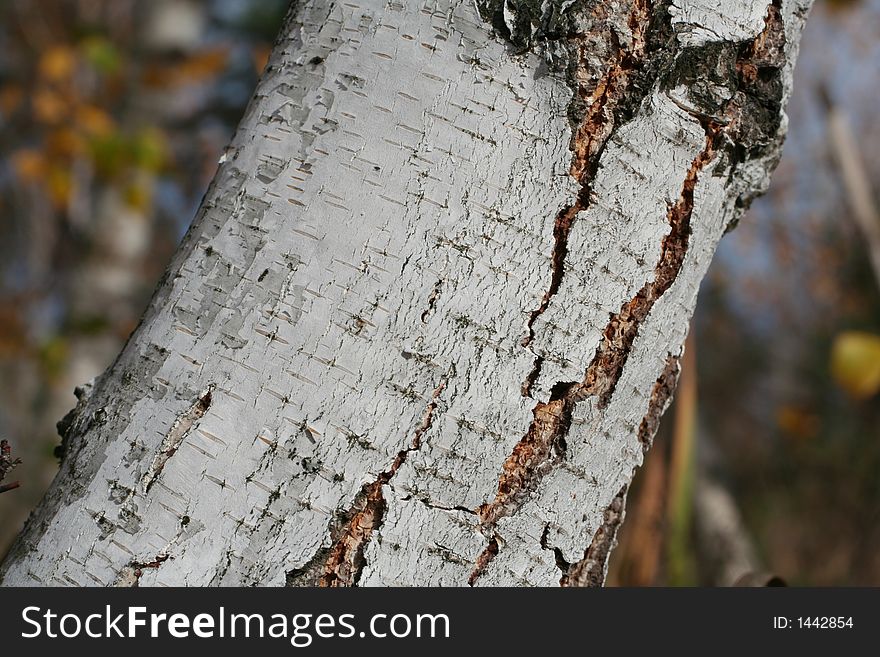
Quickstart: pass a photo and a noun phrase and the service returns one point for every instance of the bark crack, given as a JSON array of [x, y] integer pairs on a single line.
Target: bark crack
[[561, 562], [588, 141], [345, 559], [175, 437], [432, 300], [750, 127], [130, 575], [484, 560], [531, 458], [544, 444], [592, 569], [661, 394]]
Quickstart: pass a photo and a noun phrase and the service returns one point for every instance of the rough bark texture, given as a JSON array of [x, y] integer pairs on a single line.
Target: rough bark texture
[[431, 308]]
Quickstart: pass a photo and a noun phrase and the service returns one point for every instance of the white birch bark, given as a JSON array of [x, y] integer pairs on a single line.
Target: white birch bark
[[429, 314]]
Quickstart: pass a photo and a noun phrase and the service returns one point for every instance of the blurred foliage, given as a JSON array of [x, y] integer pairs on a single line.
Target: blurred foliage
[[681, 568], [855, 363], [69, 103]]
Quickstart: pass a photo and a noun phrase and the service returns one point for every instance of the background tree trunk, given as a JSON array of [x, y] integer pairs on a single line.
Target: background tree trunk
[[430, 312]]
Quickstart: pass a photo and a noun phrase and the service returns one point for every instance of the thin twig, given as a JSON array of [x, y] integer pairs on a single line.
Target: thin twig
[[854, 177], [7, 464]]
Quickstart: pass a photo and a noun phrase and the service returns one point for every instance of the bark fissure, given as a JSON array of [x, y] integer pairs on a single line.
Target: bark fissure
[[484, 560], [175, 437], [604, 371], [661, 395], [558, 556], [588, 141], [591, 570], [345, 559], [543, 446], [432, 300], [532, 457], [758, 65]]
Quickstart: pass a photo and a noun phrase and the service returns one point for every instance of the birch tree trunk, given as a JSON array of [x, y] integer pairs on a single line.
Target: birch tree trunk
[[430, 312]]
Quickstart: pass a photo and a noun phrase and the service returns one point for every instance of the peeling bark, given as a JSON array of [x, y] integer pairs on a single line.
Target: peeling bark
[[130, 576], [445, 370], [346, 559], [179, 430]]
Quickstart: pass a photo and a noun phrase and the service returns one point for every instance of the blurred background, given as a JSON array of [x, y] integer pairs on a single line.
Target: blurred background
[[113, 115]]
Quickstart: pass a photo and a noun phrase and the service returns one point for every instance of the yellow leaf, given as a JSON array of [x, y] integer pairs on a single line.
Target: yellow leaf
[[60, 186], [855, 363], [94, 121], [57, 63], [29, 164], [49, 106], [138, 196]]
